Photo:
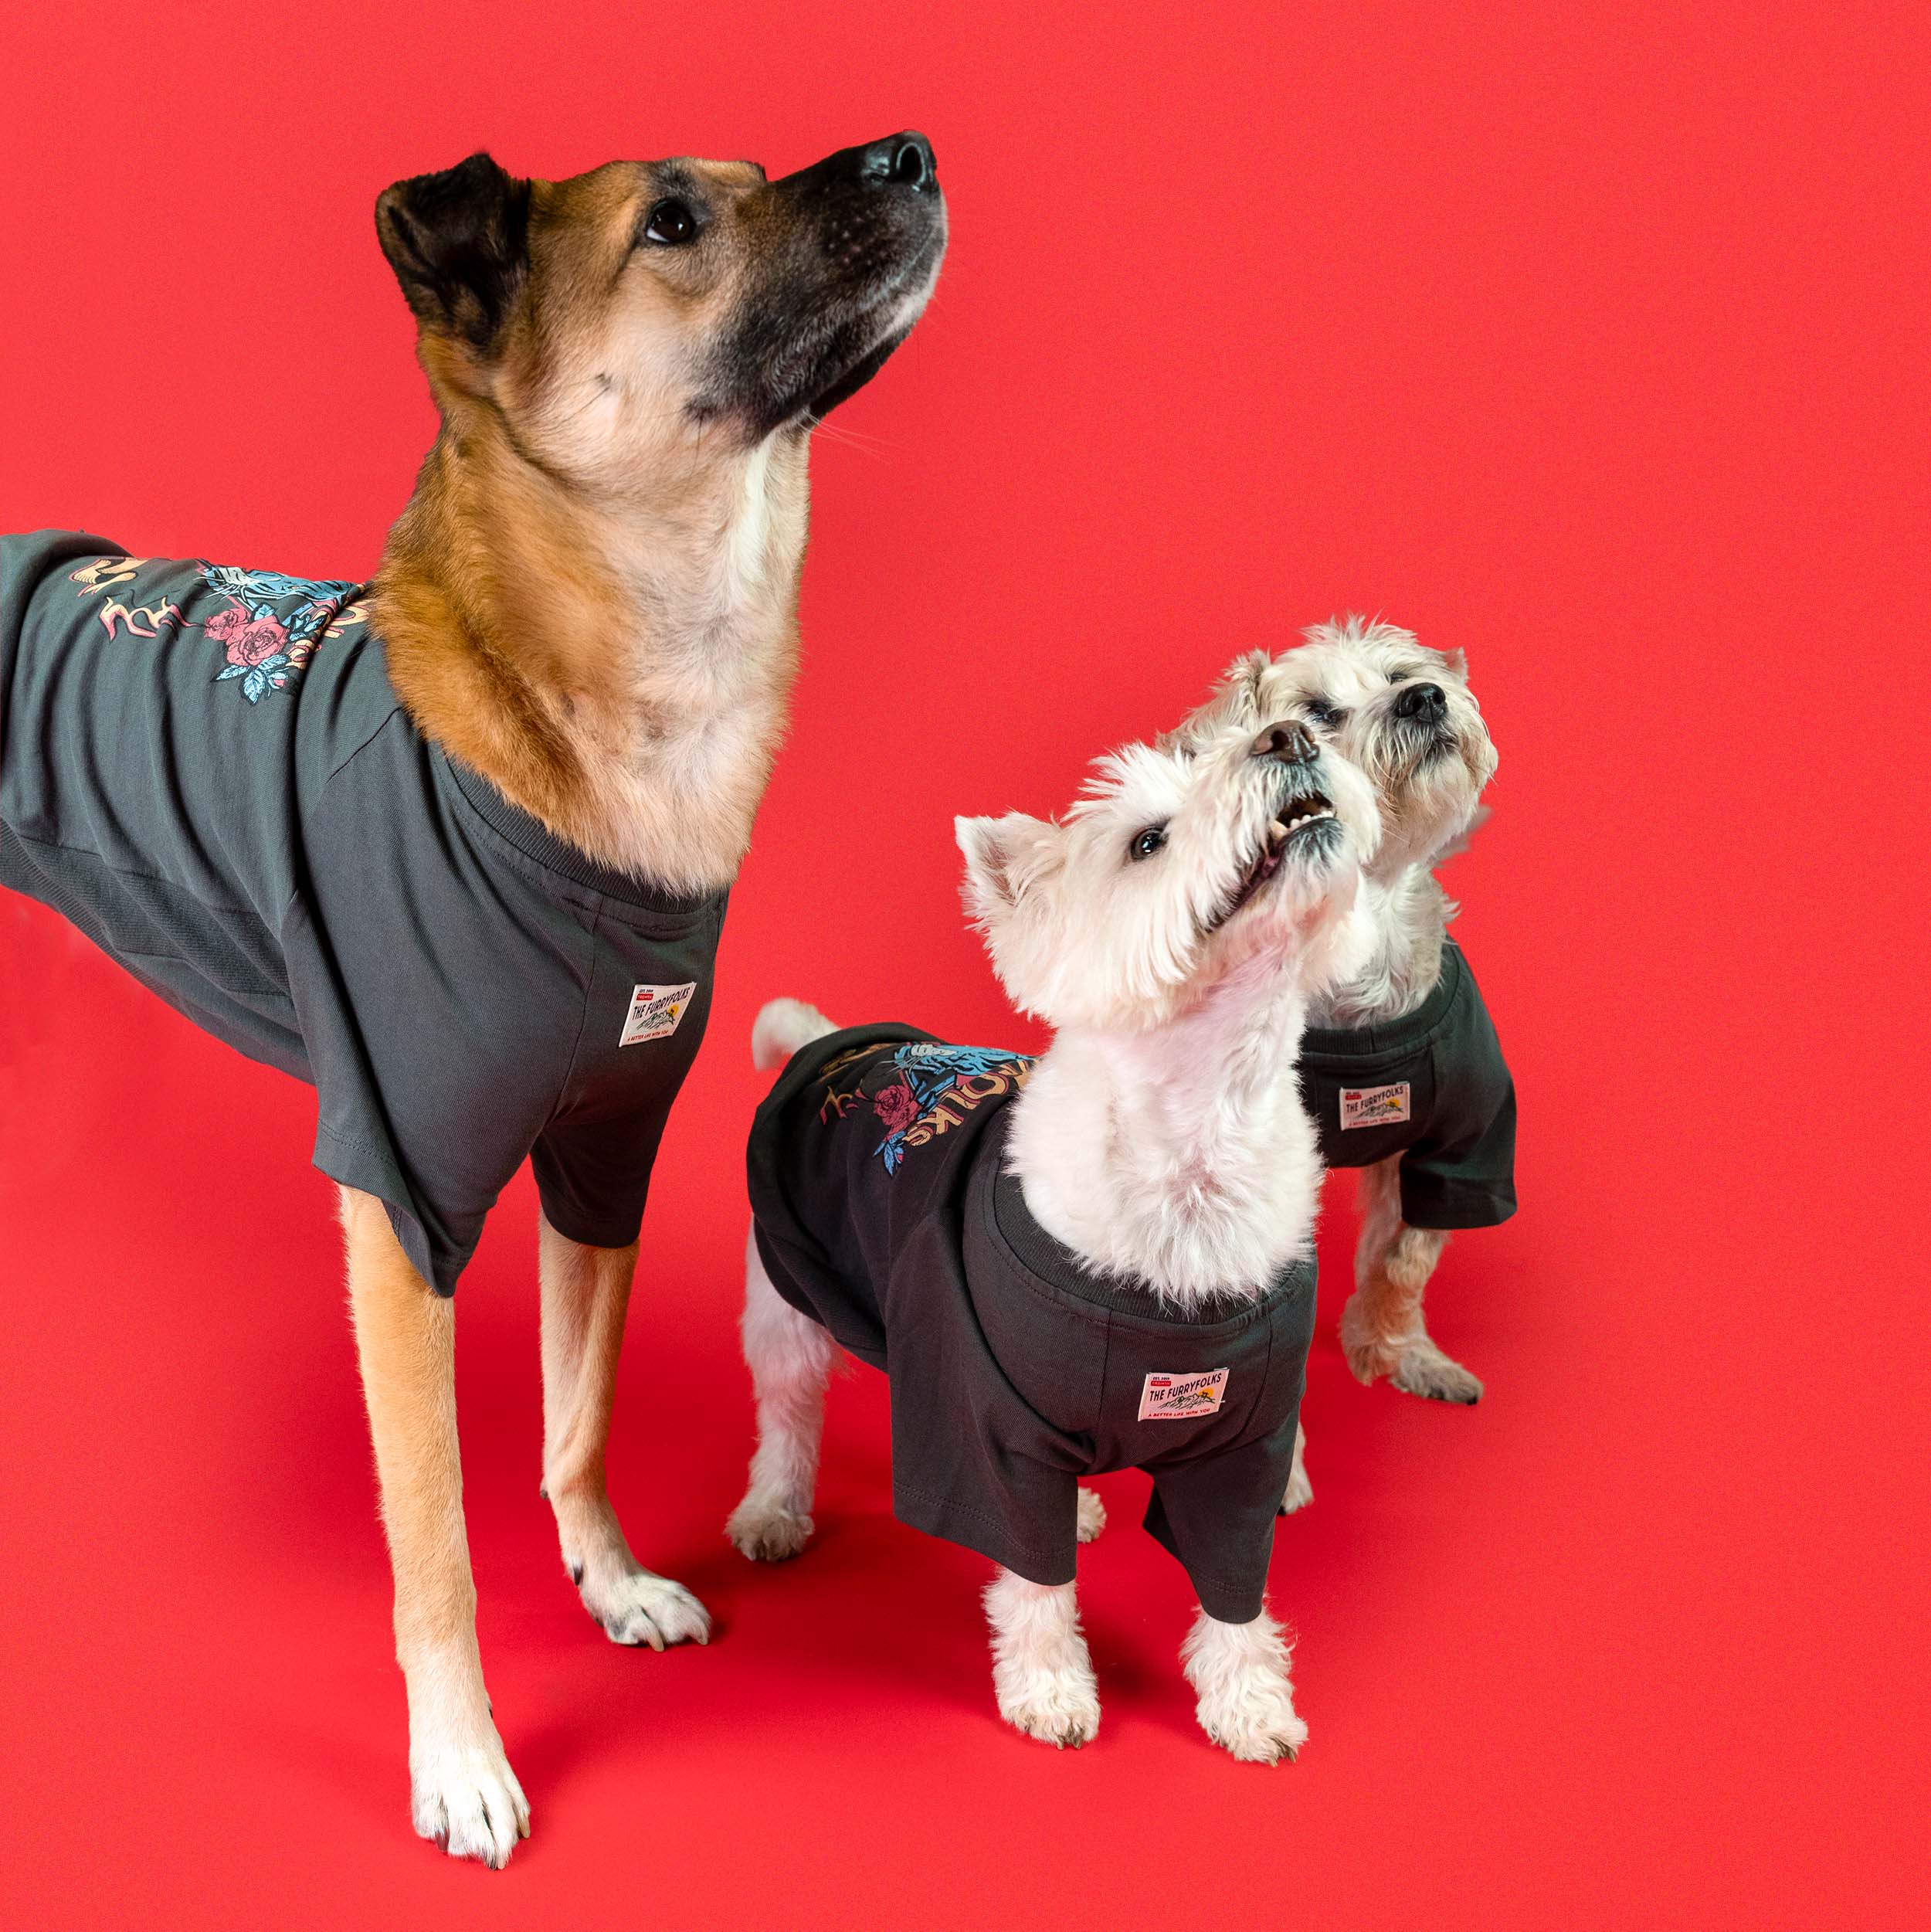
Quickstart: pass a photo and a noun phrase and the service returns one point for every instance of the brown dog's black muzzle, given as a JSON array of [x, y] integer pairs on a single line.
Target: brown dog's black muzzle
[[901, 161]]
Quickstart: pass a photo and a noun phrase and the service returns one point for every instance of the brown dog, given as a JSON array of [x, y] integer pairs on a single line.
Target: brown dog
[[455, 848]]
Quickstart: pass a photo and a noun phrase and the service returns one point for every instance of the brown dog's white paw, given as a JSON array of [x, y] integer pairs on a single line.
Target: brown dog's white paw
[[466, 1798], [768, 1532], [637, 1606], [1092, 1515]]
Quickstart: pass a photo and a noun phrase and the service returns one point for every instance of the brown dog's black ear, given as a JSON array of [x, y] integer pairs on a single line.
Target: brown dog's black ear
[[458, 241]]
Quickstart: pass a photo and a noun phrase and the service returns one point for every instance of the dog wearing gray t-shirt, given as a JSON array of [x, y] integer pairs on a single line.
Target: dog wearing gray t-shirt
[[455, 845], [1172, 928], [1406, 715]]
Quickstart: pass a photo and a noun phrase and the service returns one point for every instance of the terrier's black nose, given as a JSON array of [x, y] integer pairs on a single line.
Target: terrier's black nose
[[1285, 744], [1427, 702], [900, 160]]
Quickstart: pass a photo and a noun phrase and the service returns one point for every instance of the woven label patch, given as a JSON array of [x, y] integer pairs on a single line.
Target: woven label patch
[[1177, 1398], [1374, 1106], [655, 1012]]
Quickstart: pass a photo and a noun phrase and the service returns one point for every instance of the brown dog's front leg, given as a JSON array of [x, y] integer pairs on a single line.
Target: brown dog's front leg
[[462, 1793], [586, 1293]]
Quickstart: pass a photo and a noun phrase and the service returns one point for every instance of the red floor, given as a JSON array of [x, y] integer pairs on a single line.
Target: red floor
[[1588, 344]]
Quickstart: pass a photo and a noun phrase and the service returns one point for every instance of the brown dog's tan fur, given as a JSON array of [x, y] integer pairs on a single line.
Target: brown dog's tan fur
[[591, 599], [562, 512]]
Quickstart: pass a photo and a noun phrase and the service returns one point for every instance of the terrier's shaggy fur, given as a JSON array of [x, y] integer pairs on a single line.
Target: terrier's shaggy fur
[[1173, 927], [1405, 715]]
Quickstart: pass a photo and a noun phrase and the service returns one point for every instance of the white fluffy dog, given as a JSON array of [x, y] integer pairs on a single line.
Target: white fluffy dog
[[1099, 1260], [1400, 1066]]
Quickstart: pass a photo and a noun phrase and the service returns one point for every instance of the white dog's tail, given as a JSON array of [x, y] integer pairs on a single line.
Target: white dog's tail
[[781, 1027]]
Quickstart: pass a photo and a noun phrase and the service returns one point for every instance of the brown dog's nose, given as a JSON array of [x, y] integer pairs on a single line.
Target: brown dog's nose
[[1285, 744], [900, 160]]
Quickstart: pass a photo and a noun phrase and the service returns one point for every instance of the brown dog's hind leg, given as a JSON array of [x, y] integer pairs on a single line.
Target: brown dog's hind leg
[[1382, 1328], [462, 1791], [586, 1293]]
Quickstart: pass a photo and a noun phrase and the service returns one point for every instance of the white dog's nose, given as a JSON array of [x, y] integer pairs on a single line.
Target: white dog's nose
[[1288, 744]]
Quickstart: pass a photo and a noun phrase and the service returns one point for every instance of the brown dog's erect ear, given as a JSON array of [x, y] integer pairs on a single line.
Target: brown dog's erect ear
[[457, 242]]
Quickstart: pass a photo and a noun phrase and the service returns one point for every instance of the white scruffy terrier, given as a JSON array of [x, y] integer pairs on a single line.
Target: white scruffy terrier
[[1401, 1069], [1099, 1260]]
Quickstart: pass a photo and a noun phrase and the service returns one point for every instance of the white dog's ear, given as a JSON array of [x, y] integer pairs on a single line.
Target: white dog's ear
[[1004, 858], [1458, 662]]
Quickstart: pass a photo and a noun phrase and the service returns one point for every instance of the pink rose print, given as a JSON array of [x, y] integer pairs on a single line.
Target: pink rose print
[[254, 642], [225, 623], [895, 1107]]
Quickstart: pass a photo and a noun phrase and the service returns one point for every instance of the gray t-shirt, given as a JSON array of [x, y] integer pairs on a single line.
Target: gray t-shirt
[[1431, 1087], [883, 1210], [209, 772]]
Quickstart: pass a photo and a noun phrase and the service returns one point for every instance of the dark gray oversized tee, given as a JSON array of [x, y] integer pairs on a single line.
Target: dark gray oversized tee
[[207, 770], [882, 1209], [1432, 1087]]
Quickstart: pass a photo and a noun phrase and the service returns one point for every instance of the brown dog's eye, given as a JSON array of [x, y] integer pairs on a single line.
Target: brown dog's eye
[[671, 224], [1144, 845]]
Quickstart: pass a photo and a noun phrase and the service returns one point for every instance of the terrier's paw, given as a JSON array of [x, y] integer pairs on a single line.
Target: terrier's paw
[[1253, 1716], [768, 1532], [637, 1606], [466, 1798], [1300, 1491], [1092, 1515], [1424, 1370], [1059, 1707]]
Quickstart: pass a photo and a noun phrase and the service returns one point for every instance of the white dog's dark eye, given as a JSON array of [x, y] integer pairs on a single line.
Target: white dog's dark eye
[[1144, 845], [671, 224], [1319, 711]]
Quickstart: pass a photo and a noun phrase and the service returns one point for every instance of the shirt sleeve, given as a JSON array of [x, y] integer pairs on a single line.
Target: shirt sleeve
[[644, 1018], [1464, 1175], [1216, 1513]]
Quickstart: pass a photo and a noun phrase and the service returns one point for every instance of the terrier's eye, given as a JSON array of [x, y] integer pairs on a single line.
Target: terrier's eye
[[1319, 711], [1144, 845], [671, 224]]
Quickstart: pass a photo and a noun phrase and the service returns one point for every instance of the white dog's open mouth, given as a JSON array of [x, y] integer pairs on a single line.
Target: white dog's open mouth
[[1298, 821]]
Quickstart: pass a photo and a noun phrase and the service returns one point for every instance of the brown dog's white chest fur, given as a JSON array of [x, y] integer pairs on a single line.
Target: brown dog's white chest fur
[[620, 667]]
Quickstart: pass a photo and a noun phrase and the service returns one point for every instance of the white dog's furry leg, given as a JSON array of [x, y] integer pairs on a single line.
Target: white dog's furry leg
[[1300, 1490], [1041, 1673], [1382, 1328], [1092, 1515], [791, 1358], [1239, 1673]]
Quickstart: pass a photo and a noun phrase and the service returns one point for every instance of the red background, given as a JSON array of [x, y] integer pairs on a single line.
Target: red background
[[1590, 339]]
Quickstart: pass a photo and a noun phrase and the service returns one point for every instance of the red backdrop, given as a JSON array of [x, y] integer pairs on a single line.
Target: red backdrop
[[1588, 339]]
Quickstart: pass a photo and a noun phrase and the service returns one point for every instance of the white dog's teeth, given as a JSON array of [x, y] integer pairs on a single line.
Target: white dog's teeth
[[1276, 833]]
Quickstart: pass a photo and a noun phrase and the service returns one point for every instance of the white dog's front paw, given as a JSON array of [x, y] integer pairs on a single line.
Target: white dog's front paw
[[766, 1532], [637, 1606], [466, 1798], [1239, 1671], [1300, 1491], [1092, 1515], [1060, 1707], [1254, 1719]]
